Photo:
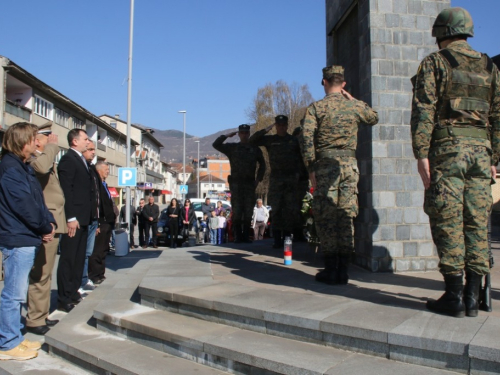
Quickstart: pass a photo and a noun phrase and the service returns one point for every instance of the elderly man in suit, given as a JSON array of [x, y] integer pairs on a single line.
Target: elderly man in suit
[[107, 218], [37, 320], [76, 183]]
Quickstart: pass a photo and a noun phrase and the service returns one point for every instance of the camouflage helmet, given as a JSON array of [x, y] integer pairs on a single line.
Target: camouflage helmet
[[451, 22]]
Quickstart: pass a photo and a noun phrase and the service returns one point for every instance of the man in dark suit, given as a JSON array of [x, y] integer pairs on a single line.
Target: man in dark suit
[[107, 218], [141, 222], [132, 220], [76, 183], [150, 212]]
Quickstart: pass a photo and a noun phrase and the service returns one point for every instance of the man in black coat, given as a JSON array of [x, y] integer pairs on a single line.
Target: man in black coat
[[150, 212], [132, 221], [141, 222], [76, 183], [107, 217]]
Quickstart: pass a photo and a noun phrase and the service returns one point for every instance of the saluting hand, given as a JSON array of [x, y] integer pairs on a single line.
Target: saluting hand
[[52, 139], [347, 95], [268, 129], [231, 134]]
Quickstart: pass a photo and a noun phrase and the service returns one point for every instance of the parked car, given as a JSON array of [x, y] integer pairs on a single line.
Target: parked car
[[196, 203], [163, 231]]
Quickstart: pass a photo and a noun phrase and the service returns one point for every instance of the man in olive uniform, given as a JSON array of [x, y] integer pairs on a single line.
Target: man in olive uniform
[[243, 158], [284, 158], [328, 143], [455, 128]]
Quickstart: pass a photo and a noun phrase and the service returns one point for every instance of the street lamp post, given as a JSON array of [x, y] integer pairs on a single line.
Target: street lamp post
[[184, 154], [198, 172]]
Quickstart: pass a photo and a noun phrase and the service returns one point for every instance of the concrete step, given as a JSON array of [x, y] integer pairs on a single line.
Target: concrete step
[[184, 285], [237, 350], [76, 339]]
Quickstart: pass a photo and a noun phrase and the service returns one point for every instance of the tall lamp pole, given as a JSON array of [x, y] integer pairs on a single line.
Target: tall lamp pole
[[184, 154], [198, 172], [129, 110]]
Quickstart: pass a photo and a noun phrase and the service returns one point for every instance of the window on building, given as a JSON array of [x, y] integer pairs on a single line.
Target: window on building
[[61, 117], [44, 108], [77, 123], [219, 185], [113, 124], [111, 142], [60, 154]]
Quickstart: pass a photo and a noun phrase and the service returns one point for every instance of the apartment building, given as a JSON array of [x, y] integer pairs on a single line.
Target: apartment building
[[27, 98]]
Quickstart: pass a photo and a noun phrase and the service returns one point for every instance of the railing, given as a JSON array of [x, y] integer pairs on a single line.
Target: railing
[[17, 111], [101, 147]]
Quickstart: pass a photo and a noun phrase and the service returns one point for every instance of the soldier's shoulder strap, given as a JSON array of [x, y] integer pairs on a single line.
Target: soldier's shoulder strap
[[448, 56], [489, 63]]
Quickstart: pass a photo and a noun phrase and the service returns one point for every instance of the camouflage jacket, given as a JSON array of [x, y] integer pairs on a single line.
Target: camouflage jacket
[[429, 88], [284, 152], [243, 158], [332, 123]]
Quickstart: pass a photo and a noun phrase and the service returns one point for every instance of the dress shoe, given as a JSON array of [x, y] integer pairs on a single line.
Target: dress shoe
[[97, 281], [136, 246], [40, 330], [51, 323], [66, 307], [76, 301], [155, 246]]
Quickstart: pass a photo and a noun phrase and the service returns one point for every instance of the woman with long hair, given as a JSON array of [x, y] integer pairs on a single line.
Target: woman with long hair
[[173, 212], [188, 218]]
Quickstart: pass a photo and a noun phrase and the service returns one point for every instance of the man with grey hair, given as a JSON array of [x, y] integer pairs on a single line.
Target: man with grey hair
[[259, 220], [107, 217]]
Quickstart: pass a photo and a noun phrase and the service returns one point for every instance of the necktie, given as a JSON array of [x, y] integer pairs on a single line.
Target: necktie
[[106, 187], [84, 162]]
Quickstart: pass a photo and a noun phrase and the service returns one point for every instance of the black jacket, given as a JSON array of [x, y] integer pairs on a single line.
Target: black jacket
[[174, 211], [76, 183], [133, 215], [151, 211], [191, 216], [106, 207]]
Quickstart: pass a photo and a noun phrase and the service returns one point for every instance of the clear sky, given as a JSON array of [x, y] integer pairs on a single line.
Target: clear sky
[[208, 57]]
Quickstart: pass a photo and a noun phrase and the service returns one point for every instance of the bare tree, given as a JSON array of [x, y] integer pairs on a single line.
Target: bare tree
[[275, 99]]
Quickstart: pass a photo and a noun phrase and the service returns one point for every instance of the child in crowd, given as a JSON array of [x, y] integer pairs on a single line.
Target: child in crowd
[[213, 224], [221, 229], [203, 233]]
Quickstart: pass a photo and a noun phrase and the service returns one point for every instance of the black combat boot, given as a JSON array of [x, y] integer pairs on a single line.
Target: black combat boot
[[330, 274], [471, 292], [278, 243], [343, 268], [451, 302]]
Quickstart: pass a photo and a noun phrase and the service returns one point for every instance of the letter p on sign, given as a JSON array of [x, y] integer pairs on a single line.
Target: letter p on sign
[[127, 176]]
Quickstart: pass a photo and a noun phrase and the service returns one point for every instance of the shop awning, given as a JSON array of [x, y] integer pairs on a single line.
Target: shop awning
[[113, 192], [166, 192]]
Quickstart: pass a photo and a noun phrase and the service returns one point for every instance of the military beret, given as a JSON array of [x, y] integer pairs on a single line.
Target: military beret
[[244, 128], [45, 129], [329, 71], [281, 119]]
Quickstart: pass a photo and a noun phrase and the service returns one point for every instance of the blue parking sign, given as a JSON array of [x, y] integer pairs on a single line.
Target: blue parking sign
[[127, 176]]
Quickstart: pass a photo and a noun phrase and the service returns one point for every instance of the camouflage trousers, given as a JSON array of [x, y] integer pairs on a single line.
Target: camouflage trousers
[[242, 202], [282, 197], [458, 203], [335, 204]]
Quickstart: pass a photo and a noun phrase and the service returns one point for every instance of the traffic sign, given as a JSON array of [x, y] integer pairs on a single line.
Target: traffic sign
[[183, 189], [127, 176]]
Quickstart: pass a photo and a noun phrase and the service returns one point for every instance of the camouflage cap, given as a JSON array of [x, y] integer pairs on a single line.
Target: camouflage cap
[[244, 128], [281, 119], [329, 71], [451, 22], [45, 129]]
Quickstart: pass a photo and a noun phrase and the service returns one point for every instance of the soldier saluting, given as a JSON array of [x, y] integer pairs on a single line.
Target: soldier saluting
[[455, 128], [243, 158], [328, 144]]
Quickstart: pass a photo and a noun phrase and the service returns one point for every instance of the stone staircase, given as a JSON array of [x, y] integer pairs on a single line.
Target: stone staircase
[[169, 315]]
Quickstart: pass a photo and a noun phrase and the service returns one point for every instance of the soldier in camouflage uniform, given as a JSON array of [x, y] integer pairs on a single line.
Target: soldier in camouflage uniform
[[284, 158], [243, 158], [455, 128], [328, 143]]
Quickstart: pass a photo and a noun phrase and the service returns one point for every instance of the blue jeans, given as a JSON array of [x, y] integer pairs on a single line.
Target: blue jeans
[[17, 264], [213, 236], [90, 249]]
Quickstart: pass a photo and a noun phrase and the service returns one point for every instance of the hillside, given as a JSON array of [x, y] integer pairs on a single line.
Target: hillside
[[172, 142]]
